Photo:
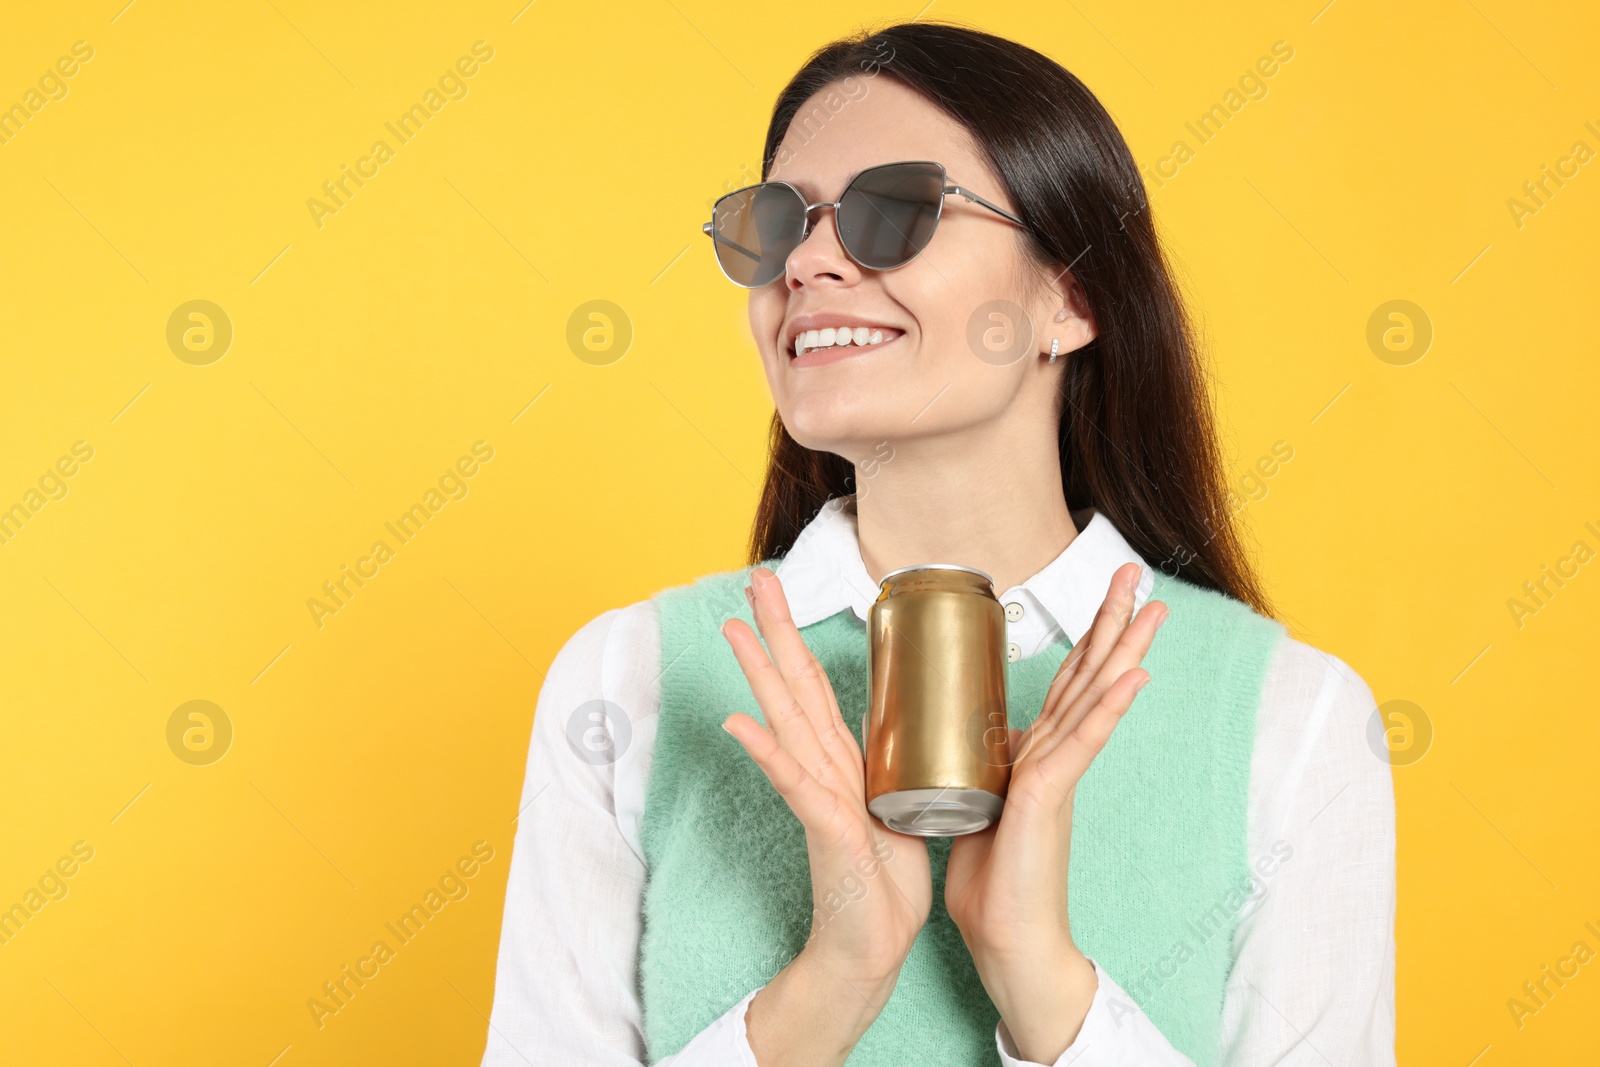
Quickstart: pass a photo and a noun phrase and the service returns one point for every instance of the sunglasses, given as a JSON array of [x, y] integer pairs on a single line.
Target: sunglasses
[[886, 217]]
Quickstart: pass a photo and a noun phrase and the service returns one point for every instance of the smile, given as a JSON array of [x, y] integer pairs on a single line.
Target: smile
[[824, 345]]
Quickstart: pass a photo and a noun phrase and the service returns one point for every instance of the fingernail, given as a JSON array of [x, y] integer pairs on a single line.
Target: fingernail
[[749, 596], [1142, 683]]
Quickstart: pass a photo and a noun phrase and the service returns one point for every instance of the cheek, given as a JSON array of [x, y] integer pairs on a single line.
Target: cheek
[[960, 292], [947, 307], [973, 340], [765, 314]]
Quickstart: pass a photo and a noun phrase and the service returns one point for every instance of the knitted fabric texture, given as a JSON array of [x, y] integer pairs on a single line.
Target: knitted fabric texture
[[1158, 870]]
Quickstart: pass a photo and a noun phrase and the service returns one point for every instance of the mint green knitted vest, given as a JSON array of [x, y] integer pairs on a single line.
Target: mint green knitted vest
[[1158, 868]]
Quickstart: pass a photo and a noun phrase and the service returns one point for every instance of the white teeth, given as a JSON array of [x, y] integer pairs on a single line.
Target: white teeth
[[830, 336]]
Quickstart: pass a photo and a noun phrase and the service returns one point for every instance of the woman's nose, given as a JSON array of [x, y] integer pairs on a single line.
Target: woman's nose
[[820, 257]]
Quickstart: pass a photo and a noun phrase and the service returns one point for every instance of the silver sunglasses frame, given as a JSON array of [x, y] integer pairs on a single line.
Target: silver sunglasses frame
[[938, 215]]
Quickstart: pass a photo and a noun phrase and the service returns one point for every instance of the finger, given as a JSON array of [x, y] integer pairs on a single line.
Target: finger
[[785, 715], [1066, 763], [1132, 644], [1086, 657], [806, 679], [1029, 744], [1132, 647], [819, 809], [1064, 674], [848, 739], [1109, 621], [1048, 717]]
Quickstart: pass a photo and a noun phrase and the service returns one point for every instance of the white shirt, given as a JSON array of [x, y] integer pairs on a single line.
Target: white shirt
[[1313, 974]]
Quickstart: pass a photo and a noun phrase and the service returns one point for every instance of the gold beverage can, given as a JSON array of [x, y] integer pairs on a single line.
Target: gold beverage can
[[936, 742]]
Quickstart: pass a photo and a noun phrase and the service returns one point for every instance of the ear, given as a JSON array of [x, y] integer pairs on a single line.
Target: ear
[[1074, 318]]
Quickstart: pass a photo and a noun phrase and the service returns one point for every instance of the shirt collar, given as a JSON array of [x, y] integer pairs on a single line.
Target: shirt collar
[[823, 573]]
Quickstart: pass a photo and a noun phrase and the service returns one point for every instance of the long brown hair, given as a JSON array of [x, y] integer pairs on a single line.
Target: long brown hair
[[1137, 436]]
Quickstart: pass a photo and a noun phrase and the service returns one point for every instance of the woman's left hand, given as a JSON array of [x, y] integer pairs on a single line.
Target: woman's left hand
[[1006, 886]]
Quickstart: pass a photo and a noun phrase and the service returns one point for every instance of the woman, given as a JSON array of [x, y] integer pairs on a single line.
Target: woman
[[977, 355]]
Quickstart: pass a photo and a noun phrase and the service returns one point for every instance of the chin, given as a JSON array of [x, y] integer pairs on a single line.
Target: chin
[[828, 424]]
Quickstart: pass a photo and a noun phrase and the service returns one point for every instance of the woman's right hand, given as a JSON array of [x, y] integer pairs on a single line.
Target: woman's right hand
[[870, 886]]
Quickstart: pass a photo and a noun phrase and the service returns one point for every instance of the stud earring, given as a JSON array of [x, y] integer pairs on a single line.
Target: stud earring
[[1055, 348], [1061, 316]]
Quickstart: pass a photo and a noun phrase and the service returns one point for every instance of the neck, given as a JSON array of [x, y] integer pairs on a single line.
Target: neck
[[988, 497]]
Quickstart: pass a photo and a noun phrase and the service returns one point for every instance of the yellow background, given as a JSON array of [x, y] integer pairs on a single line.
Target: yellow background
[[431, 310]]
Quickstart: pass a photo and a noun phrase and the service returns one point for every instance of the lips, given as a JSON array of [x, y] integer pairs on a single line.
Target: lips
[[816, 357]]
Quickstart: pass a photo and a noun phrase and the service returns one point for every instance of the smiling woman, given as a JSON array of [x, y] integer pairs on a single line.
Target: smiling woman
[[681, 903]]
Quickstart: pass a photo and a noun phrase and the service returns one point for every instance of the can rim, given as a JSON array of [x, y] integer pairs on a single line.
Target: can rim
[[937, 567]]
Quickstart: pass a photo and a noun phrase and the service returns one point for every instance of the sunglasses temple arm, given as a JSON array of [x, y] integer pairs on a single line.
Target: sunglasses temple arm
[[975, 198]]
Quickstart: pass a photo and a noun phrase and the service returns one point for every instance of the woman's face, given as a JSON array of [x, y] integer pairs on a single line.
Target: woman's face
[[924, 378]]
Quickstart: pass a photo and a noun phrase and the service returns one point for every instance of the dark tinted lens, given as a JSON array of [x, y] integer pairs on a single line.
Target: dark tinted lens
[[754, 231], [888, 214]]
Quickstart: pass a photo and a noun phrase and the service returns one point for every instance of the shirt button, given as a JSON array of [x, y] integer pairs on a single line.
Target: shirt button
[[1013, 611], [1013, 652]]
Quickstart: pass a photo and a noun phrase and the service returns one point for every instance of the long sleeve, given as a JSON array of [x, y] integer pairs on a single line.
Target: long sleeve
[[1314, 950], [566, 984], [1313, 980], [1313, 975]]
